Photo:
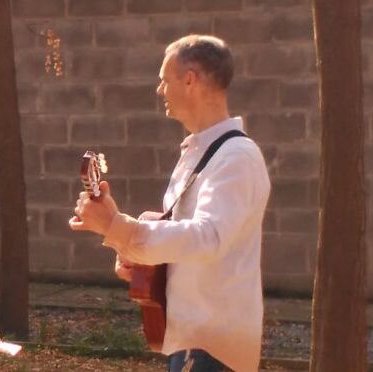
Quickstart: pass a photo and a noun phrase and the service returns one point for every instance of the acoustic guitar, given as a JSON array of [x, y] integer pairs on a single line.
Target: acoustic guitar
[[148, 284]]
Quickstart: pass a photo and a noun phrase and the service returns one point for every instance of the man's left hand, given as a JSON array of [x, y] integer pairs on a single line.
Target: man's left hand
[[94, 215]]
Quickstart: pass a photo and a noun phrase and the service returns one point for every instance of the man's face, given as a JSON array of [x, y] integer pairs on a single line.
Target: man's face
[[173, 88]]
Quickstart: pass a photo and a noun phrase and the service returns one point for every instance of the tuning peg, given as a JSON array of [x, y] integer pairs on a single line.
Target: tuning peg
[[102, 162]]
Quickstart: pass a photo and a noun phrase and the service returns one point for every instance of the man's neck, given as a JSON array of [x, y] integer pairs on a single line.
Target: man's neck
[[207, 116]]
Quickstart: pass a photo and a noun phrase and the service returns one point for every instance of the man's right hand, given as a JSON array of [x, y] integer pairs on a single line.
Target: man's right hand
[[123, 268]]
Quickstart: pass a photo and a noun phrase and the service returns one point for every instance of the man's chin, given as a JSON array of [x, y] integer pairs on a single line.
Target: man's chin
[[171, 115]]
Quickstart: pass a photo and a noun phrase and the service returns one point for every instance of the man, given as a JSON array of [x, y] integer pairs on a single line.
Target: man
[[212, 244]]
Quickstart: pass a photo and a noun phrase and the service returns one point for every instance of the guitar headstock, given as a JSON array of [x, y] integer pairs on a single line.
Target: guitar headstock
[[90, 172]]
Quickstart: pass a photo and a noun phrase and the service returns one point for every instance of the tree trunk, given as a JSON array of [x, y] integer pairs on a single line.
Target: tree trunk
[[339, 320], [14, 252]]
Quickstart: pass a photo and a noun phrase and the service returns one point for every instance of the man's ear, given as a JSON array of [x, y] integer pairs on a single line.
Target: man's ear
[[191, 77]]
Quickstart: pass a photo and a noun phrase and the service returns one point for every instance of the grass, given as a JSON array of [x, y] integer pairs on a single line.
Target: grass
[[105, 331], [70, 339]]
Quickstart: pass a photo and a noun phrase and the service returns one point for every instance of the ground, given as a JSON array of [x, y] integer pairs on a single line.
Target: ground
[[51, 360], [74, 328], [79, 339]]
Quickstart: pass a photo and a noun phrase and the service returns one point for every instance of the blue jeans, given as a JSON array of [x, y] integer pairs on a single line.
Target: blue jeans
[[194, 360]]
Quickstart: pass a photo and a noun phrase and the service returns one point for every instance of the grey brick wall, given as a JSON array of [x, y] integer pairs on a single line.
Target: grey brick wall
[[106, 101]]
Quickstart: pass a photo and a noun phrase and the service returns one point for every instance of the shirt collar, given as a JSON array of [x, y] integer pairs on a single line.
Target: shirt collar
[[203, 139]]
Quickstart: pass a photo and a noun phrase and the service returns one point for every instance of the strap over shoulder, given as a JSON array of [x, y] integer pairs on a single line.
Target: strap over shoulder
[[211, 150]]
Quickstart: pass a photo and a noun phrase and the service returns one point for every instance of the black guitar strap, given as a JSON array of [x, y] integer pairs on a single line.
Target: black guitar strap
[[201, 164]]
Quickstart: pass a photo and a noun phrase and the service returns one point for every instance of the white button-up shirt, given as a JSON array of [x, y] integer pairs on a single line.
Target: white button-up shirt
[[212, 246]]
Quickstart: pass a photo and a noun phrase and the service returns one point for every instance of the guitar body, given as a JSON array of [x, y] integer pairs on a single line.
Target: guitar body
[[148, 289]]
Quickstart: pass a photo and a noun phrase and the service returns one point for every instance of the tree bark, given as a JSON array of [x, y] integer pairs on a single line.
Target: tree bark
[[339, 320], [14, 250]]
